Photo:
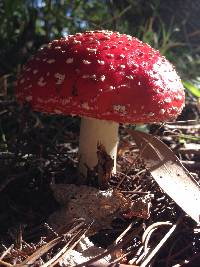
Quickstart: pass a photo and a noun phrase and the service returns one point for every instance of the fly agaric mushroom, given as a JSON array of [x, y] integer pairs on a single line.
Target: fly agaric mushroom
[[105, 77]]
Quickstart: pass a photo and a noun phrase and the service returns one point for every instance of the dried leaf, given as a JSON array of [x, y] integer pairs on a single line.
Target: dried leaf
[[139, 208], [88, 203], [104, 166], [169, 173]]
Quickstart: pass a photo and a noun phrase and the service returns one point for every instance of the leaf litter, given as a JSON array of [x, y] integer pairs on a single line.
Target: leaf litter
[[169, 173], [40, 149]]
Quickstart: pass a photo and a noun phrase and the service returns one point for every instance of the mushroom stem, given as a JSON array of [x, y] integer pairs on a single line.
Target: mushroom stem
[[92, 132]]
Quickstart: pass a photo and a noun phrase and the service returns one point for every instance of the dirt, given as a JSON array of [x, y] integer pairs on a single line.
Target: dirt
[[38, 149]]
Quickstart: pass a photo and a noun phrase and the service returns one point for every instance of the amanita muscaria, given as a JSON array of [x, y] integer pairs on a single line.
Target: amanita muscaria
[[105, 77]]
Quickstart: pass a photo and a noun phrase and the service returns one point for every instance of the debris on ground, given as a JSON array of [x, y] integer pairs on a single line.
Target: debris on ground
[[38, 152]]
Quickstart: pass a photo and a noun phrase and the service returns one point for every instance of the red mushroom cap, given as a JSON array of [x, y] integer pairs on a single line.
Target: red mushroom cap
[[104, 75]]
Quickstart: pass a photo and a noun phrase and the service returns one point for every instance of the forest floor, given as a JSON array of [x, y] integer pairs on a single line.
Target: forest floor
[[37, 150]]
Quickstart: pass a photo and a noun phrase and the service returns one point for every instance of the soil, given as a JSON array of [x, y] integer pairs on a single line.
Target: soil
[[38, 149]]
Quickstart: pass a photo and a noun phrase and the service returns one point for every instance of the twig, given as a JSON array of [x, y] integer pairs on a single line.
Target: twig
[[145, 240], [100, 264], [110, 250], [153, 226], [156, 249], [183, 127], [160, 244], [186, 122], [136, 256], [65, 250], [126, 176], [123, 233], [45, 248], [6, 252], [137, 192]]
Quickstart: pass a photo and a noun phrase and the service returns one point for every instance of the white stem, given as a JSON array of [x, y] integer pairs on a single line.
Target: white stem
[[92, 132]]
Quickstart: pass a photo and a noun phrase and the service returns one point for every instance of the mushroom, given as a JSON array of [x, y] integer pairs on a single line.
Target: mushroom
[[105, 77]]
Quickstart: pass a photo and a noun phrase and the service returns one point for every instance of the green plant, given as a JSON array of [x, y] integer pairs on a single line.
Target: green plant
[[194, 90]]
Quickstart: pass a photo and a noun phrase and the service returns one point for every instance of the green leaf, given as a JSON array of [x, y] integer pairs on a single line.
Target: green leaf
[[189, 137], [192, 88]]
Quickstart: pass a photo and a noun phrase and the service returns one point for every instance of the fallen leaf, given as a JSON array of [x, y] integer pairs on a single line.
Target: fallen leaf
[[104, 166], [169, 173], [139, 208], [93, 205]]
